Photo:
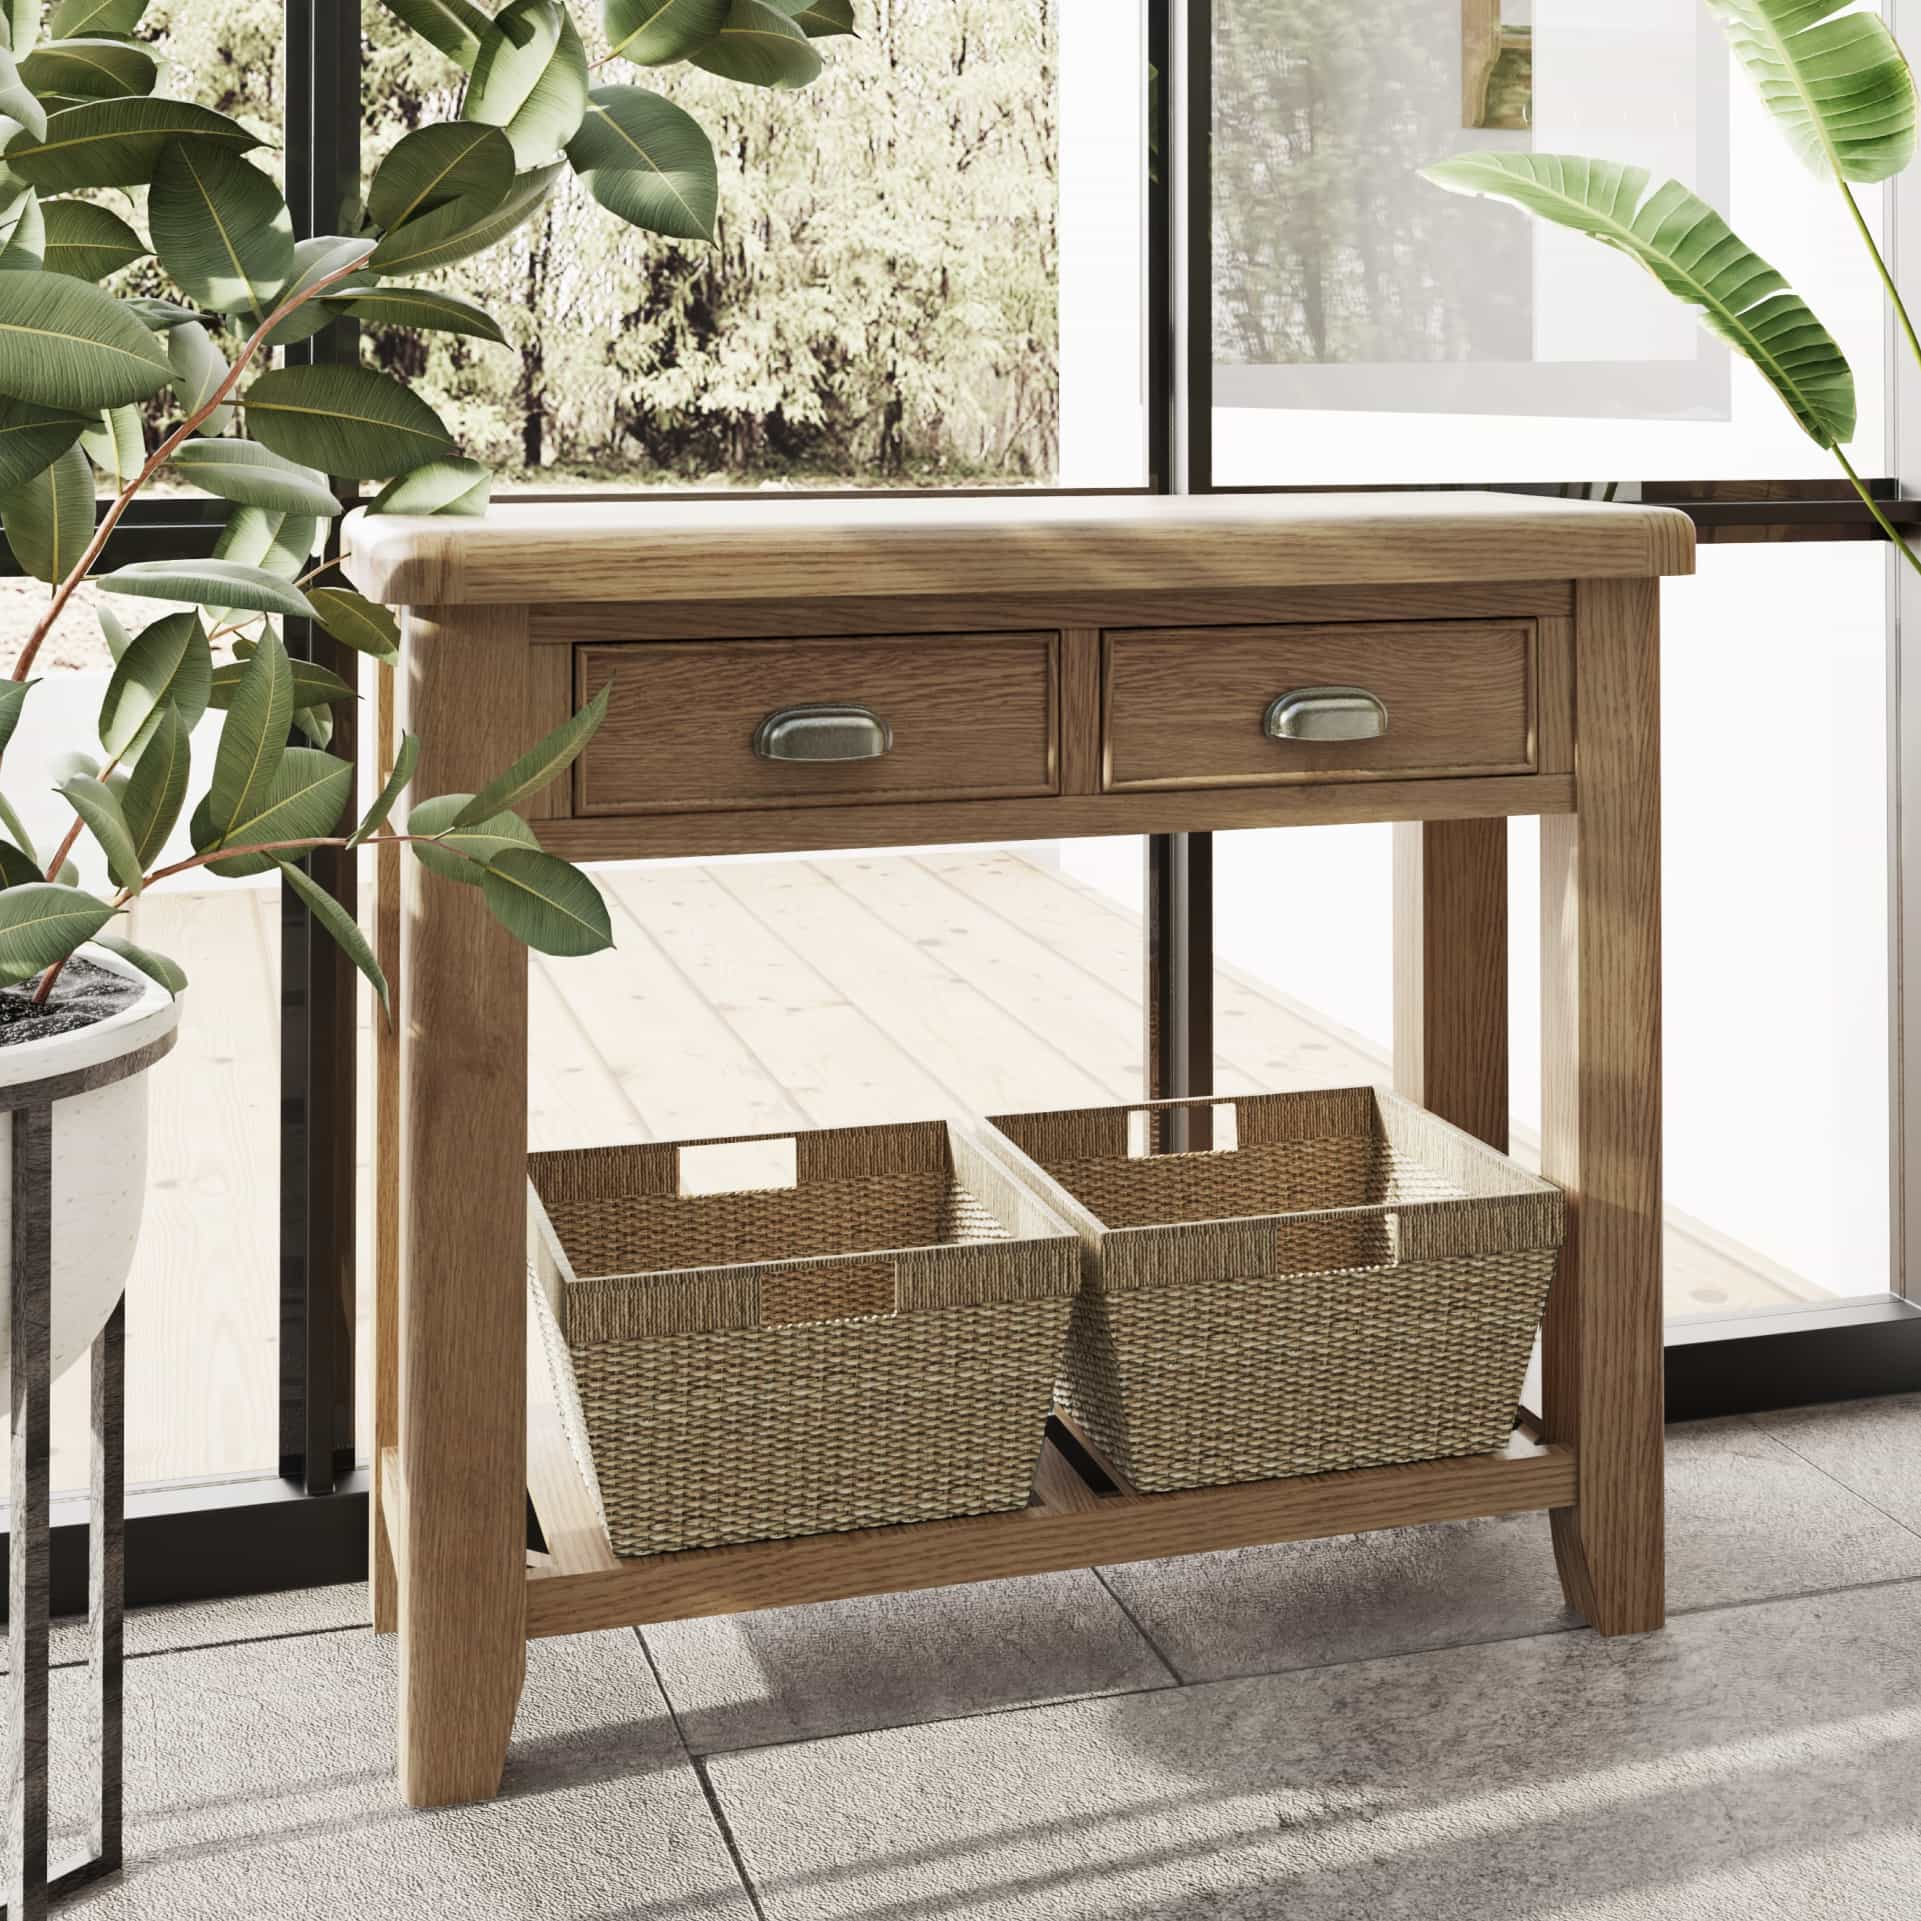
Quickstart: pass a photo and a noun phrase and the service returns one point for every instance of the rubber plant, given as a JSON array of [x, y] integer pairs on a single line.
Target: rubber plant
[[81, 130], [1841, 90]]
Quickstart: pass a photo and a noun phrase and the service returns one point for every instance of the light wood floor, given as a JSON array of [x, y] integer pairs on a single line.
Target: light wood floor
[[739, 998]]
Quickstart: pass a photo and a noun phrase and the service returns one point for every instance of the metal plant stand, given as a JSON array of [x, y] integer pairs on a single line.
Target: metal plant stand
[[30, 1880]]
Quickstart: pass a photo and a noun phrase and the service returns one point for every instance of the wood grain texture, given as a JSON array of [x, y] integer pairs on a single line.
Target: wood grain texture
[[1184, 706], [551, 683], [462, 1325], [798, 549], [1450, 972], [1601, 1123], [1080, 710], [1554, 696], [382, 1577], [1158, 811], [1480, 49], [1044, 1538], [972, 715]]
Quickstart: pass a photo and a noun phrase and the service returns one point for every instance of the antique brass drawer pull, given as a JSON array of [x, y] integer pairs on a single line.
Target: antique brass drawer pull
[[823, 734], [1326, 713]]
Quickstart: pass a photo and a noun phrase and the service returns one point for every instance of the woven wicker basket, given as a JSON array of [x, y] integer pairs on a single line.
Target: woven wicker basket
[[876, 1342], [1352, 1283]]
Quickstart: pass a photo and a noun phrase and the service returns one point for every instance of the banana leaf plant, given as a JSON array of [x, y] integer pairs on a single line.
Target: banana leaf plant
[[81, 355], [1841, 90]]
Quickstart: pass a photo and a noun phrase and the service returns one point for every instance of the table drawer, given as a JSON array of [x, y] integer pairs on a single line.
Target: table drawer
[[1191, 707], [692, 724]]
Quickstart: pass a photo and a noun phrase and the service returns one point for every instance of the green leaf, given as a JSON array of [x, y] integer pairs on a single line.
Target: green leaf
[[116, 443], [89, 69], [356, 621], [220, 228], [313, 685], [440, 487], [68, 345], [530, 78], [540, 764], [341, 926], [316, 724], [16, 97], [303, 801], [18, 829], [819, 19], [405, 761], [254, 476], [156, 789], [41, 924], [155, 965], [458, 854], [117, 143], [32, 438], [1693, 252], [94, 802], [464, 227], [17, 869], [159, 316], [761, 47], [254, 737], [167, 667], [21, 18], [1839, 86], [49, 519], [454, 26], [455, 160], [116, 636], [344, 420], [652, 32], [198, 369], [209, 583], [428, 308], [282, 544], [13, 694], [23, 236], [543, 901], [648, 163], [314, 260], [72, 18], [88, 242]]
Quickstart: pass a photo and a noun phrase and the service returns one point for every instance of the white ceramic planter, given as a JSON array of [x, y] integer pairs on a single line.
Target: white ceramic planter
[[99, 1165]]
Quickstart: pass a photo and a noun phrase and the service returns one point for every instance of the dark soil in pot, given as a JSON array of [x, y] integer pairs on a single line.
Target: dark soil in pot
[[83, 995]]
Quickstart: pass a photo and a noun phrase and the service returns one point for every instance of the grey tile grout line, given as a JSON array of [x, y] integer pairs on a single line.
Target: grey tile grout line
[[1828, 1474], [1133, 1621]]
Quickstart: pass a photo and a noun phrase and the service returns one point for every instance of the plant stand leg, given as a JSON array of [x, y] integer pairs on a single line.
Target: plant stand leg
[[107, 1585], [1601, 1115]]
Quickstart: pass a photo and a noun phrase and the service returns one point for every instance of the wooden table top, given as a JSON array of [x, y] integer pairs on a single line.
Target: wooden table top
[[799, 547]]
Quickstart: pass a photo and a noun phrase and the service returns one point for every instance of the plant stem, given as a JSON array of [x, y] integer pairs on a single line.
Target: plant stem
[[1880, 267], [161, 455], [1874, 507]]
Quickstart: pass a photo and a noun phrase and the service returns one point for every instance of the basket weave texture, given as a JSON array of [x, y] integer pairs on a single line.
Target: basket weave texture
[[1353, 1284], [875, 1344]]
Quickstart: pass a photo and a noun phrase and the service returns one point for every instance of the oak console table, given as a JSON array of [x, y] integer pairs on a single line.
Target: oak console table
[[1039, 669]]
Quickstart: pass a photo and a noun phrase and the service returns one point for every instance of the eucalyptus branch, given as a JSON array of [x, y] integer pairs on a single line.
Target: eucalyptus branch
[[165, 452]]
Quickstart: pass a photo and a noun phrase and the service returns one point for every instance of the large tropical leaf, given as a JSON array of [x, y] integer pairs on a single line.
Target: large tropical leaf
[[254, 476], [154, 964], [253, 739], [13, 694], [456, 486], [1834, 79], [69, 345], [464, 227], [167, 665], [208, 583], [760, 46], [405, 761], [304, 800], [454, 26], [23, 235], [21, 21], [154, 792], [1693, 252], [545, 902], [819, 19], [89, 70], [198, 369], [220, 228], [32, 438], [454, 160], [430, 308], [356, 621], [41, 924], [96, 804], [314, 260], [539, 765], [17, 102], [313, 684], [280, 544], [648, 162], [459, 854], [49, 519], [72, 18], [116, 443], [88, 242], [530, 78], [159, 316], [344, 420], [652, 32], [339, 924], [117, 143]]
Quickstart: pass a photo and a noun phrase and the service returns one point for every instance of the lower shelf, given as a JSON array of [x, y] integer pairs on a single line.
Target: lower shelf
[[1078, 1517]]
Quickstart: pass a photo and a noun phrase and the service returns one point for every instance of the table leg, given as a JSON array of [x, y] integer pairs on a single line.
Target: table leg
[[462, 1320], [382, 1576], [1601, 1120], [1450, 972]]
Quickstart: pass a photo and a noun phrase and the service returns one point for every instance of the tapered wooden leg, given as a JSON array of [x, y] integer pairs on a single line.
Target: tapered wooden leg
[[1450, 972], [1601, 1120], [462, 1321]]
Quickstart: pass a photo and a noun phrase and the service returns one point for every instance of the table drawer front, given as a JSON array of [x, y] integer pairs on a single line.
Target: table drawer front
[[953, 716], [1190, 707]]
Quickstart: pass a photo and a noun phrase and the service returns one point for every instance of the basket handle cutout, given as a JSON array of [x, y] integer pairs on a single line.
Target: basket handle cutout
[[1147, 1131], [833, 1291], [739, 1167]]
